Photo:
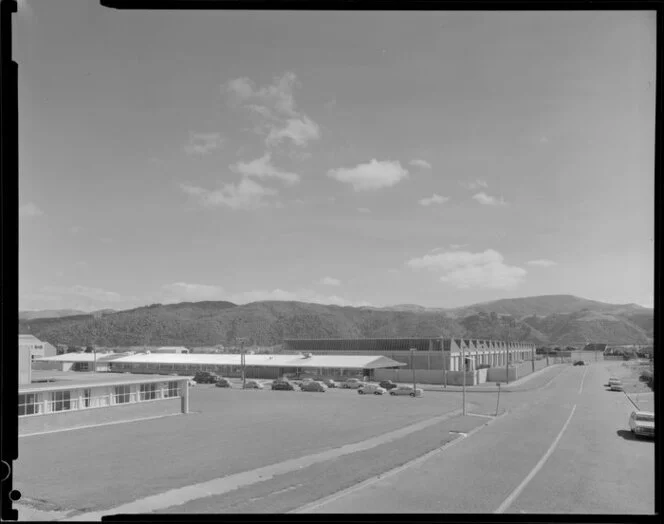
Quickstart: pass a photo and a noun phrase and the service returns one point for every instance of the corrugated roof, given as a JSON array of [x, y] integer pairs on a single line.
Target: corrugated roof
[[315, 361], [79, 357], [69, 380]]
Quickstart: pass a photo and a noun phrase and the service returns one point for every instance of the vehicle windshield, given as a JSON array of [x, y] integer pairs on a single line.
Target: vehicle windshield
[[646, 418]]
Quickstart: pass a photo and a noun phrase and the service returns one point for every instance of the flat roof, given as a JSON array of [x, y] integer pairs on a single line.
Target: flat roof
[[72, 379]]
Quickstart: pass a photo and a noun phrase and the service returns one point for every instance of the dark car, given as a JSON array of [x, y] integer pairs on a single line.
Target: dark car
[[579, 363], [223, 383], [205, 377], [282, 385], [387, 384]]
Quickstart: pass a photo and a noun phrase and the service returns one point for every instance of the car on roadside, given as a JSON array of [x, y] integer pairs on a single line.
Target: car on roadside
[[615, 384], [352, 383], [369, 389], [252, 384], [205, 377], [407, 390], [314, 385], [642, 423], [330, 383], [223, 383], [387, 384], [282, 385], [192, 383], [579, 363]]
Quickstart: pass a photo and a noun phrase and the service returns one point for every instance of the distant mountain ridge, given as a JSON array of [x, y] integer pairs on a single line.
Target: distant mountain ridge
[[550, 320]]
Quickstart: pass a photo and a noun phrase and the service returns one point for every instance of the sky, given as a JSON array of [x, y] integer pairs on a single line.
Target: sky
[[367, 158]]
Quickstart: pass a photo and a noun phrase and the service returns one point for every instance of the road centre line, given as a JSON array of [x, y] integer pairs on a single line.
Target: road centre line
[[582, 379], [512, 496], [222, 485]]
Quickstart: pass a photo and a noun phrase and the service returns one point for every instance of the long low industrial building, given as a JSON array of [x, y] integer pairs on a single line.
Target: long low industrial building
[[422, 353], [230, 365]]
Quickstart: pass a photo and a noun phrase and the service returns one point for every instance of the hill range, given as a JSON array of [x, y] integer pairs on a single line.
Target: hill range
[[544, 320]]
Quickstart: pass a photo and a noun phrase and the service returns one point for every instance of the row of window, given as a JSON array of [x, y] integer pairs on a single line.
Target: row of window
[[32, 404]]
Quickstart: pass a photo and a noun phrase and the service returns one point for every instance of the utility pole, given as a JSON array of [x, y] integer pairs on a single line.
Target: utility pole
[[412, 365], [463, 379], [242, 363]]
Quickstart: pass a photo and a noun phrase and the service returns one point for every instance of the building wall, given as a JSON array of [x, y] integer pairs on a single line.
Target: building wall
[[73, 419], [24, 365], [423, 376]]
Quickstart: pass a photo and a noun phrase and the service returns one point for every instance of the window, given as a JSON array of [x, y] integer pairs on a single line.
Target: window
[[86, 398], [148, 391], [121, 394], [28, 404], [61, 400], [171, 390]]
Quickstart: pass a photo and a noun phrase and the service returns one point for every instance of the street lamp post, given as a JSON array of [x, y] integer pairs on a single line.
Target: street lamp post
[[412, 365], [463, 379]]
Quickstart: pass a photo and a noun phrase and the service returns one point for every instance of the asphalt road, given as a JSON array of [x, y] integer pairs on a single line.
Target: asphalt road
[[563, 449]]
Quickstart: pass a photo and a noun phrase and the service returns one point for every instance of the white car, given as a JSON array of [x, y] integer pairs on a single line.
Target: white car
[[407, 390], [615, 384], [192, 383], [642, 423], [253, 384], [352, 383], [368, 389]]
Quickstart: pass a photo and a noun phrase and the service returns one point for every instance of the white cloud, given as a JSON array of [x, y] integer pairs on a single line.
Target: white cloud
[[457, 246], [299, 130], [29, 210], [263, 168], [370, 176], [203, 143], [247, 194], [274, 106], [184, 292], [301, 295], [488, 200], [541, 263], [417, 162], [471, 270], [364, 210], [329, 281], [476, 184], [434, 199]]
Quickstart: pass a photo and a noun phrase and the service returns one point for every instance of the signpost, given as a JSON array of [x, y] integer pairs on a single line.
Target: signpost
[[498, 401], [463, 380]]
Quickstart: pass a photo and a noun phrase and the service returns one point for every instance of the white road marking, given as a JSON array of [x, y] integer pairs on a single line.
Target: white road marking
[[584, 378], [508, 501]]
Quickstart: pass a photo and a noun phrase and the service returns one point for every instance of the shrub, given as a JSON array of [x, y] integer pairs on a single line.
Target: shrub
[[645, 376]]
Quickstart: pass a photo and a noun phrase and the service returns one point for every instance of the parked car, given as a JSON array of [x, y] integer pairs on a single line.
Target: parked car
[[642, 423], [387, 384], [579, 363], [223, 383], [282, 385], [252, 384], [314, 385], [352, 383], [615, 384], [368, 389], [407, 390], [330, 383], [205, 377], [192, 383]]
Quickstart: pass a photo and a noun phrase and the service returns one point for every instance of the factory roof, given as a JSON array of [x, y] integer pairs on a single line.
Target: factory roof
[[59, 380], [301, 361]]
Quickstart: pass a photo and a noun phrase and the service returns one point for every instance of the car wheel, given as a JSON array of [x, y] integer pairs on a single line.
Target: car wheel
[[393, 394], [377, 393], [412, 394], [360, 392]]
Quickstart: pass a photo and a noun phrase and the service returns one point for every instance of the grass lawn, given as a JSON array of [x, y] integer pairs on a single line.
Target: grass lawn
[[228, 431]]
